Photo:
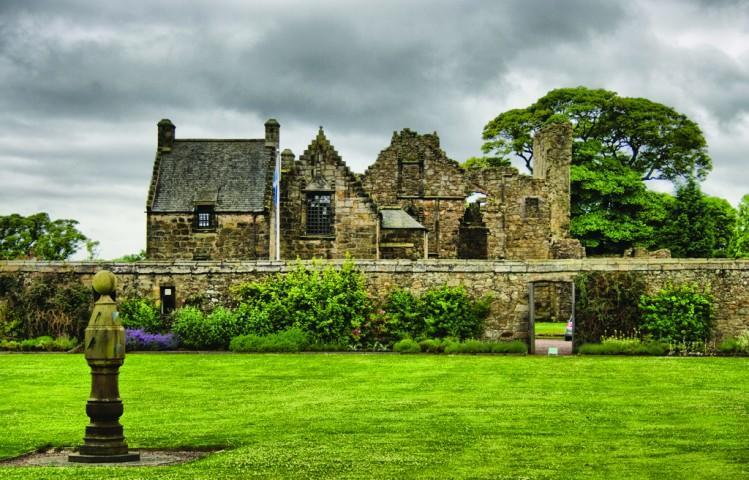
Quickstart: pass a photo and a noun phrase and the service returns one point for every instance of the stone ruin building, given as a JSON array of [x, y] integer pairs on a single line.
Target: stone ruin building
[[212, 199]]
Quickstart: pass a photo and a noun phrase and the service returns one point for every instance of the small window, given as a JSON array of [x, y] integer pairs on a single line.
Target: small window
[[532, 207], [168, 299], [205, 217], [319, 214]]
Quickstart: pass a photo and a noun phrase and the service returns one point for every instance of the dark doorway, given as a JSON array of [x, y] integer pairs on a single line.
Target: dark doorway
[[168, 299], [551, 317]]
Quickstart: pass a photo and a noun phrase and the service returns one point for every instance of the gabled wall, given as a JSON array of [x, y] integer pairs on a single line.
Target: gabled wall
[[355, 215]]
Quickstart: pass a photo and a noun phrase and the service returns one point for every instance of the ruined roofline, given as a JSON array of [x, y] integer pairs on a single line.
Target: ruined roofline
[[219, 140]]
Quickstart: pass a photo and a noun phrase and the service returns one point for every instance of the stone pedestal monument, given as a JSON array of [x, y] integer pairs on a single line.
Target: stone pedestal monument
[[104, 441]]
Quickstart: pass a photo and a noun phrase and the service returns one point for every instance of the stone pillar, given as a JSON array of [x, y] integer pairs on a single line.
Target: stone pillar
[[104, 441], [552, 159], [166, 135]]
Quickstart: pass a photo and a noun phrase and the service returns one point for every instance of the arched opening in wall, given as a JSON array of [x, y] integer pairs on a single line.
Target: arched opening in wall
[[472, 232], [551, 317]]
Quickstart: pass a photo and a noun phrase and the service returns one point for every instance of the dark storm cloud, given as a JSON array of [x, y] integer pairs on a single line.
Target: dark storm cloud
[[337, 65]]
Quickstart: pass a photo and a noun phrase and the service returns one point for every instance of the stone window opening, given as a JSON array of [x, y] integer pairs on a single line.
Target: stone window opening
[[205, 217], [532, 207], [168, 299], [320, 215]]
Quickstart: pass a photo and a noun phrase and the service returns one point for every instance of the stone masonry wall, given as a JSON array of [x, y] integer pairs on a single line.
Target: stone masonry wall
[[355, 216], [416, 174], [236, 237], [507, 281]]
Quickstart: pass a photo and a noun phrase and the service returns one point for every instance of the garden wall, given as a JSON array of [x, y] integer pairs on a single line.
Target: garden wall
[[507, 281]]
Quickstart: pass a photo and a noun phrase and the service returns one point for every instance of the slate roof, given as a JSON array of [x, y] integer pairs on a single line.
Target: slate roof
[[396, 218], [233, 172]]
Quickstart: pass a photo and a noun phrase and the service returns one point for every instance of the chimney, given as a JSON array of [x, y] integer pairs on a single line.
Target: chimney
[[272, 133], [166, 135], [287, 160]]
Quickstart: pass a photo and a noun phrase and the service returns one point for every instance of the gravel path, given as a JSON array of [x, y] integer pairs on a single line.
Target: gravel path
[[563, 347]]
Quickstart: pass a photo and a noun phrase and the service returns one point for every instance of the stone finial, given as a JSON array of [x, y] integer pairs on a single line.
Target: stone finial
[[166, 135], [272, 133], [104, 282]]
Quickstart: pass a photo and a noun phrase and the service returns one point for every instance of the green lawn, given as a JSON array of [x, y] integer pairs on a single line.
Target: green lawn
[[550, 329], [396, 416]]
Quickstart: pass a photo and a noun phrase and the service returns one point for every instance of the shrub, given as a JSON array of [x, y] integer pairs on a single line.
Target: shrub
[[479, 346], [406, 314], [138, 339], [330, 304], [141, 314], [513, 346], [450, 312], [680, 314], [735, 346], [291, 340], [43, 305], [407, 345], [40, 344], [432, 345], [211, 332], [438, 313], [192, 329], [624, 346], [606, 304]]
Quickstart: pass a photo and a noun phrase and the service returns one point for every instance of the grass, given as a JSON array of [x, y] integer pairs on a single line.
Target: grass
[[550, 329], [395, 416]]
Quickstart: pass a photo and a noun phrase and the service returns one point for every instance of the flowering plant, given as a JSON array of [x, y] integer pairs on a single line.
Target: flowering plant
[[138, 339]]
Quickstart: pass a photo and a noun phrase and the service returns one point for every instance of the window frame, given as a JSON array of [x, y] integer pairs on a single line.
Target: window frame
[[203, 210], [315, 224]]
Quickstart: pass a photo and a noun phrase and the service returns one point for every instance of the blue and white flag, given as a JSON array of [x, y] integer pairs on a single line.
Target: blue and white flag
[[277, 183], [277, 205]]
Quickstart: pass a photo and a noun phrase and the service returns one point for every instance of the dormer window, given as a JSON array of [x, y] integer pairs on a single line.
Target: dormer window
[[205, 217]]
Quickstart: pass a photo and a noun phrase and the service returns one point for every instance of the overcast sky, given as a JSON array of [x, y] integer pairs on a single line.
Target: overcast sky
[[83, 84]]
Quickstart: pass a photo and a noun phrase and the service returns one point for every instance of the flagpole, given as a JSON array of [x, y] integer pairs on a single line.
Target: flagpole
[[277, 179]]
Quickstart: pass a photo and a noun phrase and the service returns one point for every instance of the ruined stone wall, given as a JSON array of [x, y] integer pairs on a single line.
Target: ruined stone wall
[[506, 281], [414, 173], [321, 169], [407, 244], [517, 214], [236, 237], [552, 157]]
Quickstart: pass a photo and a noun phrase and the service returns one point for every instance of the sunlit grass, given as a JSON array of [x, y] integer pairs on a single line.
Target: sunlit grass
[[550, 329], [396, 416]]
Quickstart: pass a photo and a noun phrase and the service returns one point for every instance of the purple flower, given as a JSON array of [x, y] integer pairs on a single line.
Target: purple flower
[[137, 339]]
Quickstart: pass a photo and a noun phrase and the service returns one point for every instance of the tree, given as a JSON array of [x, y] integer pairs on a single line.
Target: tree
[[614, 210], [480, 163], [699, 226], [618, 143], [131, 257], [739, 245], [648, 137], [38, 237]]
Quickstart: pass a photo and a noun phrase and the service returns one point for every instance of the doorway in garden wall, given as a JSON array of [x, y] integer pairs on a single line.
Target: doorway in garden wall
[[551, 317]]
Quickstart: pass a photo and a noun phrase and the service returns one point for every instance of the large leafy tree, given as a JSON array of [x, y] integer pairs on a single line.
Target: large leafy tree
[[618, 143], [739, 245], [651, 138], [38, 237], [699, 225]]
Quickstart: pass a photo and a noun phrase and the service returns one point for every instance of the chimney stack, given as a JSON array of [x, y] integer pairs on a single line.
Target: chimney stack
[[166, 135], [272, 133]]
